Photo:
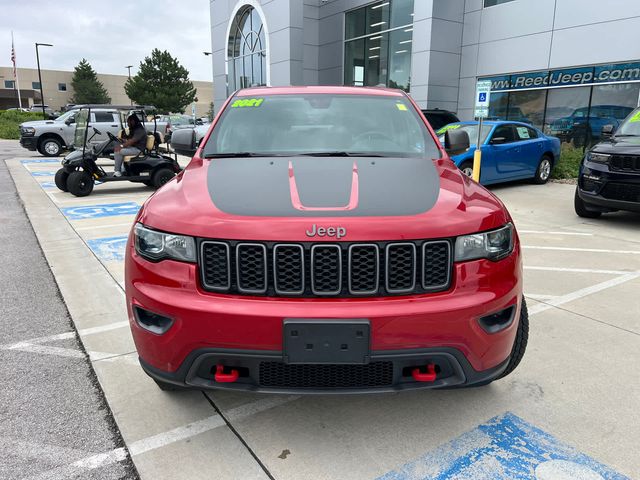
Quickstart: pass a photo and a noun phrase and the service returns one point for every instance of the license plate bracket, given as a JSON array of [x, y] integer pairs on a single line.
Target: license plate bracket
[[326, 341]]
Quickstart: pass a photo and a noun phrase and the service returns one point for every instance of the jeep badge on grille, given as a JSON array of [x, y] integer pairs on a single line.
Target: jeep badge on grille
[[316, 231]]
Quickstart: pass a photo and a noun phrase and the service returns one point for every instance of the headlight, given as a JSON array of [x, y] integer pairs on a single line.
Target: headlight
[[155, 245], [28, 131], [598, 157], [494, 245]]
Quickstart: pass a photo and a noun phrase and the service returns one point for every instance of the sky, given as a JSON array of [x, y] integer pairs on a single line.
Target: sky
[[110, 34]]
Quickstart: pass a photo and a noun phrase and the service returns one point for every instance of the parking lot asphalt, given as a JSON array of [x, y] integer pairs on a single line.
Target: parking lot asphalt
[[52, 409], [569, 411]]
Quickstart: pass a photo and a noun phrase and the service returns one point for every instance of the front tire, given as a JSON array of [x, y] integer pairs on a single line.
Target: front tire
[[543, 173], [162, 176], [61, 179], [80, 183], [50, 147], [581, 209], [467, 169], [520, 343]]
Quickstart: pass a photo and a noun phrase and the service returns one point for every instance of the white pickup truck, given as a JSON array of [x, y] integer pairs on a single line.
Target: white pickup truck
[[51, 137]]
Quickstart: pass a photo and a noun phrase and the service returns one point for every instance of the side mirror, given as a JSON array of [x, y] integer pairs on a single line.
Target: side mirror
[[498, 140], [607, 131], [456, 141], [70, 120]]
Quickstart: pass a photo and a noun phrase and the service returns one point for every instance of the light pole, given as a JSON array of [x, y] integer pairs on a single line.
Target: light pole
[[128, 67], [44, 115]]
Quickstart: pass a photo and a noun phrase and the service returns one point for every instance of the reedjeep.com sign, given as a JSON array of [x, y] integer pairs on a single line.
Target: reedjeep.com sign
[[623, 72]]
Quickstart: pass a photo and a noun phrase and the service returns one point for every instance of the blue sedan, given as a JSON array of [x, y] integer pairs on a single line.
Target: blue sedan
[[510, 151]]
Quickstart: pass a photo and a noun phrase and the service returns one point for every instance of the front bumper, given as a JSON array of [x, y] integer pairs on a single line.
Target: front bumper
[[30, 143], [245, 332], [607, 190], [265, 372]]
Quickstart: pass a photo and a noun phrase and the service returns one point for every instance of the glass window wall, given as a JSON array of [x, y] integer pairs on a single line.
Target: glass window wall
[[378, 45]]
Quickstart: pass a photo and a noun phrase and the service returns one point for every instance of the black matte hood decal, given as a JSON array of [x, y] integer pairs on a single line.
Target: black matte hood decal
[[323, 187]]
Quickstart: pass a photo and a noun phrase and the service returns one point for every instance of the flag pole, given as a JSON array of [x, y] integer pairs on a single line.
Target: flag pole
[[15, 71]]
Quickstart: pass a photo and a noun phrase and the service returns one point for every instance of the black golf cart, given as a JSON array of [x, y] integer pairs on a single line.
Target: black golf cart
[[80, 170]]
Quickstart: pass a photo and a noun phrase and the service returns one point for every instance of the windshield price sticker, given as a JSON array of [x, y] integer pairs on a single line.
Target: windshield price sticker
[[402, 107], [447, 127], [247, 102], [635, 118]]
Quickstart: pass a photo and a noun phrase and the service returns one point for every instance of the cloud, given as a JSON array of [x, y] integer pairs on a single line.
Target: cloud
[[110, 35]]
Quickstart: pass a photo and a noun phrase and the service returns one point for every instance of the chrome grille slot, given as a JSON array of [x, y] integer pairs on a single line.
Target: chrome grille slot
[[400, 267], [251, 267], [326, 269], [436, 261], [364, 269], [215, 266], [288, 269]]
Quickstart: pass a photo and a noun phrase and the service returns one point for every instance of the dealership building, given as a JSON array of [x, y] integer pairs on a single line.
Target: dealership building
[[566, 66]]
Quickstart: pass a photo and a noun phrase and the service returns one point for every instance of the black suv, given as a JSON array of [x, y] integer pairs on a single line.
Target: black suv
[[609, 177], [439, 118]]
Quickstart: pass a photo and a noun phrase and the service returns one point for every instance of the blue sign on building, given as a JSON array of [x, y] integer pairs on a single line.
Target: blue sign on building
[[504, 448], [621, 72], [100, 210]]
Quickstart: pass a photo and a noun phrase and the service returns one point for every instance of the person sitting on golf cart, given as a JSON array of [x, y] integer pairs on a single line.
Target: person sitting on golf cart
[[133, 143]]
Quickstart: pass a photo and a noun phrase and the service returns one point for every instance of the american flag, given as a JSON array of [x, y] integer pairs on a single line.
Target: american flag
[[13, 59]]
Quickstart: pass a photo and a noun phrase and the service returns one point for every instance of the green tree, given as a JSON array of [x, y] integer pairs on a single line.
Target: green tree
[[210, 112], [161, 81], [86, 86]]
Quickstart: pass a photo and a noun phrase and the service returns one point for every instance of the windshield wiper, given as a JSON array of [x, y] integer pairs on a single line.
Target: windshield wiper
[[339, 154], [627, 135]]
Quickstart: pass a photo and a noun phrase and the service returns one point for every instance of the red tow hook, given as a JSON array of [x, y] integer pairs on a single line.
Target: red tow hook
[[430, 376], [221, 377]]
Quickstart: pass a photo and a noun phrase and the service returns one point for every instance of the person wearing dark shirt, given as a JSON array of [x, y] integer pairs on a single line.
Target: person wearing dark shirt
[[133, 144]]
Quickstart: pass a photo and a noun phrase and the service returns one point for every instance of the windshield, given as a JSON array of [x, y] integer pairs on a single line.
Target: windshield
[[471, 129], [322, 123], [82, 120], [66, 115], [631, 126]]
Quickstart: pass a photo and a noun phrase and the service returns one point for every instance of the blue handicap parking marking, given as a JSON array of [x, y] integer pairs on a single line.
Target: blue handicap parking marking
[[100, 210], [504, 448], [48, 185], [43, 174], [39, 160], [109, 248]]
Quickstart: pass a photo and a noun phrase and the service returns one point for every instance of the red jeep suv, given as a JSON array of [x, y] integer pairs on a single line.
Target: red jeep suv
[[319, 241]]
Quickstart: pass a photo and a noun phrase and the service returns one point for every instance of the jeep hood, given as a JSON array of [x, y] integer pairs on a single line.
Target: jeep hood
[[278, 198]]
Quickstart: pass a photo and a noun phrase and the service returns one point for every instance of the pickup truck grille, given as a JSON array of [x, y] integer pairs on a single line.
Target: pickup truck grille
[[325, 269]]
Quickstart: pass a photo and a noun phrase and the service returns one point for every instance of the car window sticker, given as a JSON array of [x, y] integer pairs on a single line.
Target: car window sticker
[[447, 127], [523, 133], [402, 107], [247, 102], [635, 118]]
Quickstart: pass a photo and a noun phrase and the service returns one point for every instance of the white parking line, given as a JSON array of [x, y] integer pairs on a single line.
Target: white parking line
[[538, 232], [163, 439], [579, 270], [540, 297], [571, 249], [46, 350], [583, 292]]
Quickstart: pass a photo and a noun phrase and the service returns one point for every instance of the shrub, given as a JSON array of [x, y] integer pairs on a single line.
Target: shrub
[[10, 121], [570, 158]]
